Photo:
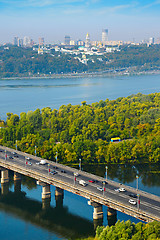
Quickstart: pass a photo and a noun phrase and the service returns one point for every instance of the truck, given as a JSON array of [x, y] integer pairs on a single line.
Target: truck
[[42, 162], [83, 183]]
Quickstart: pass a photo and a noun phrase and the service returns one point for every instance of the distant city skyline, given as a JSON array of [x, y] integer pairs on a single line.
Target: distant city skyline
[[126, 20]]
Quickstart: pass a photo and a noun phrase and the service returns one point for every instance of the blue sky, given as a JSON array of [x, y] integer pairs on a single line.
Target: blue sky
[[52, 19]]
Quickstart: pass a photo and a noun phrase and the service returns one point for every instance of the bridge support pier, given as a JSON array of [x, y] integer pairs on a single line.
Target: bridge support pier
[[97, 212], [17, 182], [59, 192], [4, 176], [46, 191], [111, 216], [46, 203], [4, 188]]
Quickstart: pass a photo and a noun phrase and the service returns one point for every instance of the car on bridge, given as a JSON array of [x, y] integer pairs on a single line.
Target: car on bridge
[[122, 189], [91, 181], [133, 195], [116, 190], [53, 172], [133, 202]]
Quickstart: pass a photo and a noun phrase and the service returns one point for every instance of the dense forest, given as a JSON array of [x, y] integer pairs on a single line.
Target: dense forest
[[84, 131], [127, 230], [24, 62]]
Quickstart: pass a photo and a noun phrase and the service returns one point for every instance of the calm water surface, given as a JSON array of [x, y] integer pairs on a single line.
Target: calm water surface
[[21, 213], [24, 95]]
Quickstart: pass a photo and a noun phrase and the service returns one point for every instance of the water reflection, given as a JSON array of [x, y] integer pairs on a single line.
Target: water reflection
[[126, 173], [55, 219]]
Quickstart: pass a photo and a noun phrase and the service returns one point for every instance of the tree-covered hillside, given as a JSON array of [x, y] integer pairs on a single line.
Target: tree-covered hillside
[[24, 62], [84, 131]]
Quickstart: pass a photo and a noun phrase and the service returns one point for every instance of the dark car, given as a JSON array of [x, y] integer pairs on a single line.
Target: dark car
[[55, 167], [10, 157], [1, 150], [16, 156], [63, 171], [133, 195], [53, 172]]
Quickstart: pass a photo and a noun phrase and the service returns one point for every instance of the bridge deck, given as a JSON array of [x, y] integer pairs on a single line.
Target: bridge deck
[[149, 204]]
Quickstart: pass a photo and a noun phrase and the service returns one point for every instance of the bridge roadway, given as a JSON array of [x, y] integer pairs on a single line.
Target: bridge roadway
[[149, 209]]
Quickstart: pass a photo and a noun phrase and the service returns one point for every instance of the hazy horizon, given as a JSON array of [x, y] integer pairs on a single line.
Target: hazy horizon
[[53, 19]]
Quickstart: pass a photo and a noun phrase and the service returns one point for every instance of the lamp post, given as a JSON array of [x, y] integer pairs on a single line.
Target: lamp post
[[106, 172], [74, 179], [103, 187], [49, 168], [35, 150], [80, 162], [56, 157], [137, 181], [138, 196], [5, 156]]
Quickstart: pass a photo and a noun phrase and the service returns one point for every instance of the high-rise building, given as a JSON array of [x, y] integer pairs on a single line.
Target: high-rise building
[[87, 42], [151, 40], [20, 42], [26, 41], [104, 36], [41, 41], [15, 41], [67, 40]]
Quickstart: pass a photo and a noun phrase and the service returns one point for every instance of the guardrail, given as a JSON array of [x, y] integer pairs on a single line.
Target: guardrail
[[77, 189], [116, 184]]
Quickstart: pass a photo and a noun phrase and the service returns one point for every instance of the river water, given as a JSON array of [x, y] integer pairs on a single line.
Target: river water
[[21, 213]]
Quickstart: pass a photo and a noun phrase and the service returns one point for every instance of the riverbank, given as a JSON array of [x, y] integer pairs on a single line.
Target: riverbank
[[108, 73]]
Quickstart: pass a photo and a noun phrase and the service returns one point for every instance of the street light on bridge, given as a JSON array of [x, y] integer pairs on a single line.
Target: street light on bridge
[[56, 157], [138, 196], [106, 172], [35, 150], [16, 145], [80, 164]]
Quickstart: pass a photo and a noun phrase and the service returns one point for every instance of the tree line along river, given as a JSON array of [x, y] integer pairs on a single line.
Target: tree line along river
[[23, 95]]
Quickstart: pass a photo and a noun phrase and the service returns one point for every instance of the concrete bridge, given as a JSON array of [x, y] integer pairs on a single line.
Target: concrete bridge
[[97, 190]]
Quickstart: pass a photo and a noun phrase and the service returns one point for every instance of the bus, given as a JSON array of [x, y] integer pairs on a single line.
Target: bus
[[116, 139]]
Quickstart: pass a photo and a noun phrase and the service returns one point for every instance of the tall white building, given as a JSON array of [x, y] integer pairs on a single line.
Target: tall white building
[[104, 36], [87, 42], [26, 41]]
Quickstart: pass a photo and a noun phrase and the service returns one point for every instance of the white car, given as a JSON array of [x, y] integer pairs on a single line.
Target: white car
[[116, 190], [133, 202], [122, 189], [38, 163], [28, 158], [76, 174], [100, 189]]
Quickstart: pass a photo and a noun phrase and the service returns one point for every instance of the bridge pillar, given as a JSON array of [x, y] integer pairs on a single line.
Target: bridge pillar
[[59, 201], [46, 191], [5, 188], [59, 192], [4, 176], [111, 216], [97, 222], [17, 182], [97, 212], [46, 203]]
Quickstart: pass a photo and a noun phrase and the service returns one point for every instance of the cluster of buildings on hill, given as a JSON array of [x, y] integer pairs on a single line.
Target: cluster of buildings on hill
[[84, 47]]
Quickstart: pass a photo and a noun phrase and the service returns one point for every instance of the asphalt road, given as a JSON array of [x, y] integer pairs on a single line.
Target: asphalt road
[[148, 202]]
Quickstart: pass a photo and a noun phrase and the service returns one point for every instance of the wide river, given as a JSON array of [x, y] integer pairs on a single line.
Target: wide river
[[21, 213]]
